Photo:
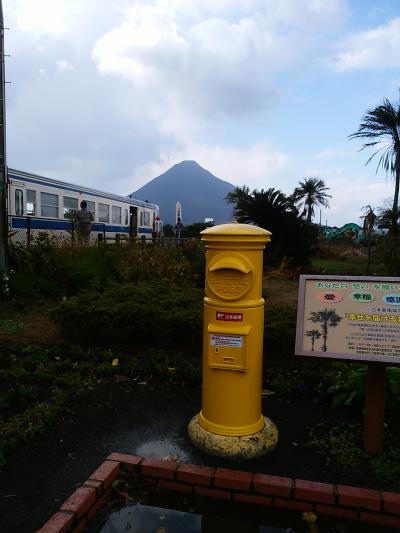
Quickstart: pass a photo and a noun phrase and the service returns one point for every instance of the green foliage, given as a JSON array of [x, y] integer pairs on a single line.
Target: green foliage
[[347, 385], [293, 238], [310, 193], [49, 270], [156, 312], [168, 230], [342, 448], [178, 264], [36, 383], [279, 330], [193, 230], [380, 127]]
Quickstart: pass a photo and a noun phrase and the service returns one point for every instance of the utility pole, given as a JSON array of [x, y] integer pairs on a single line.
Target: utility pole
[[3, 162]]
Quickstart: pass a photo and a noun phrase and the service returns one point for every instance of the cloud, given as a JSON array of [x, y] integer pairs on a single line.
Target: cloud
[[62, 64], [42, 16], [375, 48], [351, 194], [329, 153], [213, 58]]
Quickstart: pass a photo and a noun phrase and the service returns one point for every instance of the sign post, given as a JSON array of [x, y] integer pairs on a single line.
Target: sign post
[[374, 408], [353, 318]]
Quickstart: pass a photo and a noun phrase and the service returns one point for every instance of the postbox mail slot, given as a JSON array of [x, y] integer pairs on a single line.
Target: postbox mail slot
[[230, 263], [229, 276], [227, 349]]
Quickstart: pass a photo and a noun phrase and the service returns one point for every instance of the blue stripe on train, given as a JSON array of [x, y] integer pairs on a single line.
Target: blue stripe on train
[[64, 225]]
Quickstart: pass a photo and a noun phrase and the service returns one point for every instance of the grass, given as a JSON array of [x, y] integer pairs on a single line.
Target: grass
[[341, 447], [11, 327], [339, 267], [36, 383]]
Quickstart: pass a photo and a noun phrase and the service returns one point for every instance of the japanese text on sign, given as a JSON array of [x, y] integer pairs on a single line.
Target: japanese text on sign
[[349, 318]]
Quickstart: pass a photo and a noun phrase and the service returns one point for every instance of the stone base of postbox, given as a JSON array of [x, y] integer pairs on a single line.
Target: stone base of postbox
[[234, 448]]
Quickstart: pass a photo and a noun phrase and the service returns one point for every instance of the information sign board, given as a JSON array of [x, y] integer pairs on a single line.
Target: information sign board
[[353, 318]]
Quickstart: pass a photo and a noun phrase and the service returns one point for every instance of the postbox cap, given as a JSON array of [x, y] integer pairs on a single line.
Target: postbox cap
[[234, 229]]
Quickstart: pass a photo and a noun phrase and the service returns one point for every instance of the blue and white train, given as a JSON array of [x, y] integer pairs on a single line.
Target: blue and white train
[[43, 204]]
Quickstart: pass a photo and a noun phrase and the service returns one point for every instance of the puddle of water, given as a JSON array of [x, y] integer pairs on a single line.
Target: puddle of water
[[163, 449], [145, 519]]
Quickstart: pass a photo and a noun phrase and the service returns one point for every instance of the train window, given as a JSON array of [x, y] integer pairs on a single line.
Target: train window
[[126, 217], [19, 202], [141, 218], [146, 219], [70, 206], [104, 213], [30, 202], [91, 207], [49, 205], [116, 215]]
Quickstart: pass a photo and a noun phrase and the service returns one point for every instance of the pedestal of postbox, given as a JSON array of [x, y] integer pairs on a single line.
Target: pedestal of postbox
[[230, 423]]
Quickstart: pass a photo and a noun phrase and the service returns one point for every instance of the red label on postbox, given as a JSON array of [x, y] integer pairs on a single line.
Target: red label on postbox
[[229, 317]]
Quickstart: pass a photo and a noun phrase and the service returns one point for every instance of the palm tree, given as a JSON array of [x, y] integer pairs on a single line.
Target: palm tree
[[370, 219], [292, 238], [382, 127], [314, 334], [254, 207], [311, 192], [327, 318]]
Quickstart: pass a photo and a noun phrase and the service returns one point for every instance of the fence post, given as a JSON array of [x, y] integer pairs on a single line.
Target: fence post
[[28, 231], [104, 233]]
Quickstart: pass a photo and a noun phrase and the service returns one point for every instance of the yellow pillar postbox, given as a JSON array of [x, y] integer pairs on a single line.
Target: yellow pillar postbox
[[230, 423]]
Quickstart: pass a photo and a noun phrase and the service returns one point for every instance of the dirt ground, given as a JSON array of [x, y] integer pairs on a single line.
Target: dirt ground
[[27, 323], [281, 291]]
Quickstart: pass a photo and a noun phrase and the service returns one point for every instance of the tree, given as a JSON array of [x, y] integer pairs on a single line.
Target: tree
[[193, 230], [382, 127], [328, 318], [292, 237], [370, 219], [168, 230], [310, 193], [314, 334]]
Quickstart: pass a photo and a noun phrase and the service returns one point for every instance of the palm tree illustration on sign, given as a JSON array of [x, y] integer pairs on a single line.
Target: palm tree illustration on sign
[[328, 318], [314, 334]]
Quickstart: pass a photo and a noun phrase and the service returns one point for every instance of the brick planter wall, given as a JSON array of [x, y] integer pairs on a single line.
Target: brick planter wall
[[336, 501]]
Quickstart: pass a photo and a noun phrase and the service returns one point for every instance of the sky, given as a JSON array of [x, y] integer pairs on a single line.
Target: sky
[[262, 93]]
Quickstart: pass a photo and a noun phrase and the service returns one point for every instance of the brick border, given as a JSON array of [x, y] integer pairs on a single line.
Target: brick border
[[336, 501]]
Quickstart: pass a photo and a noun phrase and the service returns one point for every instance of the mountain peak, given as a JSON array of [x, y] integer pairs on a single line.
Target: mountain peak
[[201, 194]]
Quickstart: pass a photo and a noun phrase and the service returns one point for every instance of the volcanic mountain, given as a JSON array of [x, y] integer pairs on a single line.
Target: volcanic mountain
[[201, 194]]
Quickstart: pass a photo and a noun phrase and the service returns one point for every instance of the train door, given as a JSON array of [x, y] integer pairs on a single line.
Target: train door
[[133, 222], [16, 204]]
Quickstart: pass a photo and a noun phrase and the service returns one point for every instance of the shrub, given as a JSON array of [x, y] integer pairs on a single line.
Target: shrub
[[177, 264], [279, 330], [156, 312], [50, 270], [348, 385], [341, 447]]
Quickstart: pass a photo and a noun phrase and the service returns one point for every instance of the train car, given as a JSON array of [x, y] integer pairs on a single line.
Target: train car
[[39, 204]]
